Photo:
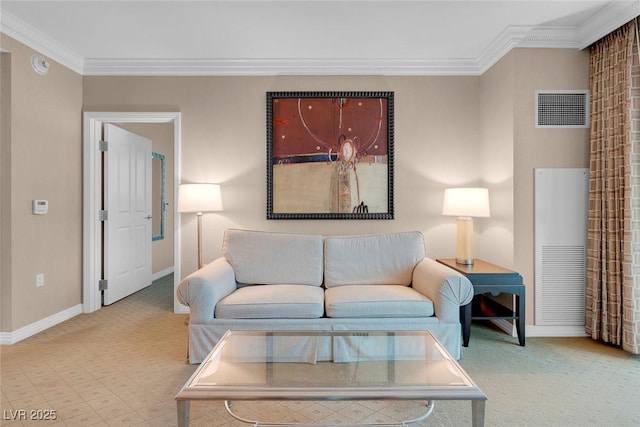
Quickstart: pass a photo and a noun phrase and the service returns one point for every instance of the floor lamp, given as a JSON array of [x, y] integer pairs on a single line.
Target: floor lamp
[[199, 198], [465, 203]]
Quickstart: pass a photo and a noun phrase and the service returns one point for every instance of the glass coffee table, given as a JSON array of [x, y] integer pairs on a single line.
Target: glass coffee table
[[330, 365]]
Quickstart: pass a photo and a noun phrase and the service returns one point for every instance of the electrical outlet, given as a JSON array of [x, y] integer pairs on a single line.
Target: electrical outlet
[[39, 280]]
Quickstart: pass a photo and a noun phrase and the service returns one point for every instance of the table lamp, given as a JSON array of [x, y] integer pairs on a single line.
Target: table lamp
[[465, 203], [199, 198]]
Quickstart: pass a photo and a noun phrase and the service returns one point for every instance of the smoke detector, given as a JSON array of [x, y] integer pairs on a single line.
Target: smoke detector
[[39, 64]]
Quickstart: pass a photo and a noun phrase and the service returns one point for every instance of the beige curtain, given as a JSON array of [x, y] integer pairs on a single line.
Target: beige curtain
[[613, 285]]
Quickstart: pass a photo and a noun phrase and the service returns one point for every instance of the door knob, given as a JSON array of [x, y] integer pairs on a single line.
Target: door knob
[[148, 217]]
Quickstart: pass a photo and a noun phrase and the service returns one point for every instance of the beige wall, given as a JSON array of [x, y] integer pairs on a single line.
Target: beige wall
[[449, 131], [541, 69], [45, 163], [223, 140], [513, 148], [5, 190], [497, 135]]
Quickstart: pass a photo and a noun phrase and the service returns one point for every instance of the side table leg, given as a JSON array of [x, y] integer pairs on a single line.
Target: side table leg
[[465, 319], [520, 323], [184, 409], [477, 413]]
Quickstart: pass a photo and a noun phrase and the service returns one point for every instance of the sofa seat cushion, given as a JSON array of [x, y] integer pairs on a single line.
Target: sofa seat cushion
[[376, 301], [374, 259], [272, 302]]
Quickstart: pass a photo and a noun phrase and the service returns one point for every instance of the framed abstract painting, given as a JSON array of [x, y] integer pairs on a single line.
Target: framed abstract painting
[[329, 155]]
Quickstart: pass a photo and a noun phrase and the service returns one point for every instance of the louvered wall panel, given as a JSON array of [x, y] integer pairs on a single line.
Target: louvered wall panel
[[560, 222], [563, 285]]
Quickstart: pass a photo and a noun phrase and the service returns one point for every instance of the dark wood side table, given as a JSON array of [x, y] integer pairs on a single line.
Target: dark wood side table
[[489, 278]]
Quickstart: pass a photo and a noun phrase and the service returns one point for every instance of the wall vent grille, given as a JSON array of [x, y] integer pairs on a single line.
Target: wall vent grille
[[562, 109], [563, 285]]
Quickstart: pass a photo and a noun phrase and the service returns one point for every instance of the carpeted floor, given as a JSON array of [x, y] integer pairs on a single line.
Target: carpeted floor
[[123, 365]]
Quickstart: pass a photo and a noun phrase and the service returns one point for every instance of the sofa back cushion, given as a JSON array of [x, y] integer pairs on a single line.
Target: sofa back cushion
[[376, 259], [269, 258]]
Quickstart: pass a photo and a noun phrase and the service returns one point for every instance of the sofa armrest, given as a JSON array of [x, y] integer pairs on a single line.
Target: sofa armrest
[[447, 288], [202, 289]]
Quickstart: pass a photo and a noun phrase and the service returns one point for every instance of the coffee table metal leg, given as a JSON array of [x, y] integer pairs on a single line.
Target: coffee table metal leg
[[228, 404], [184, 409], [477, 413], [430, 405]]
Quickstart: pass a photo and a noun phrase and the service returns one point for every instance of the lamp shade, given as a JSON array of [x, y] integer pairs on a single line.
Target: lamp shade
[[466, 202], [199, 198]]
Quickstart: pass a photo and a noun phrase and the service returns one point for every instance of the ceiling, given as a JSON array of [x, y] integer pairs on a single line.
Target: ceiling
[[264, 37]]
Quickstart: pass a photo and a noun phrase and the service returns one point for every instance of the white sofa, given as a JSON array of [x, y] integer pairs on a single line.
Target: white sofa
[[285, 281]]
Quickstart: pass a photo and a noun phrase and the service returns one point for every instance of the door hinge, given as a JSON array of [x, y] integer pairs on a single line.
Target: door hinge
[[103, 284], [103, 146], [103, 215]]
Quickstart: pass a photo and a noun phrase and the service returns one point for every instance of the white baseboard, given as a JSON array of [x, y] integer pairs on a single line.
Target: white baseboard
[[509, 327], [160, 274], [181, 309], [8, 338], [555, 331]]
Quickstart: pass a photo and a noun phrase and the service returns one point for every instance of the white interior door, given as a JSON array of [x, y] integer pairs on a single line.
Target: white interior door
[[127, 200]]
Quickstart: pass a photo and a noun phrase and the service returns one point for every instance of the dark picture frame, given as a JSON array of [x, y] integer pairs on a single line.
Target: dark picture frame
[[330, 155]]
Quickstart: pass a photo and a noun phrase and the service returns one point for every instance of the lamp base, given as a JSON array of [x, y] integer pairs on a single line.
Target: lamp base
[[464, 246]]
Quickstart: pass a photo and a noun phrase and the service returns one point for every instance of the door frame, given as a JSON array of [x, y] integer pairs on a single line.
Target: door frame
[[92, 198]]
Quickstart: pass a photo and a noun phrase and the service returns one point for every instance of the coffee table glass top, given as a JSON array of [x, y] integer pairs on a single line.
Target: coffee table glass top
[[357, 365]]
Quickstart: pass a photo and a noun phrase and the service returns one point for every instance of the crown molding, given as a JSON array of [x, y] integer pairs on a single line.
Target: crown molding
[[29, 36], [291, 66], [529, 37], [512, 37], [609, 18]]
